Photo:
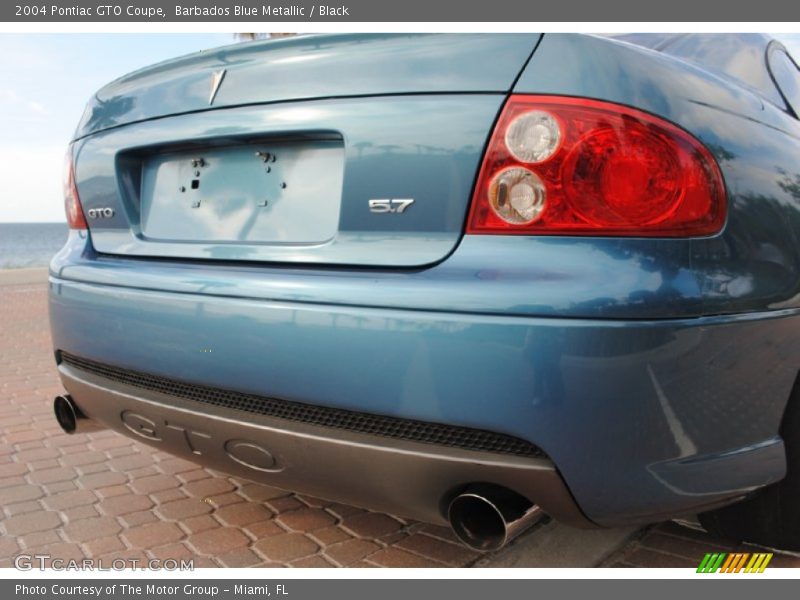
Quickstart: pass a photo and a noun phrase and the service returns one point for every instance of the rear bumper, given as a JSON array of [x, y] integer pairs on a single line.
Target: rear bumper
[[412, 479], [642, 419]]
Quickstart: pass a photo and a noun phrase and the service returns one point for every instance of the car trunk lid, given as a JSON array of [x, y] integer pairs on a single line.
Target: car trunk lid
[[306, 67], [374, 169]]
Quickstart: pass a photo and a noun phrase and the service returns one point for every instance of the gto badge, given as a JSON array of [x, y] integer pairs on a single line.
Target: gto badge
[[100, 213], [393, 205], [184, 439], [216, 81]]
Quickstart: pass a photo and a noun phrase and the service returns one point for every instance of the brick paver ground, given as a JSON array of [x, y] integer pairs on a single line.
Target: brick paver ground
[[673, 545], [104, 495]]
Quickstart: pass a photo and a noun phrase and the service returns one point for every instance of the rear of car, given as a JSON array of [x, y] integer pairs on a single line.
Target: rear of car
[[394, 270]]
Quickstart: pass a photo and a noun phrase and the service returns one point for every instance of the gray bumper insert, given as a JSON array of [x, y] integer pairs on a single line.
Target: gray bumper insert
[[390, 427]]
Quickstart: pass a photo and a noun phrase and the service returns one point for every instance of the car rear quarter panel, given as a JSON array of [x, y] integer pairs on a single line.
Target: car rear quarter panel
[[754, 263]]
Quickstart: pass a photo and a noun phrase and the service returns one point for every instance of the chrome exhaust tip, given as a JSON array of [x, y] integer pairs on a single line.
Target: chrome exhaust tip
[[70, 417], [486, 517]]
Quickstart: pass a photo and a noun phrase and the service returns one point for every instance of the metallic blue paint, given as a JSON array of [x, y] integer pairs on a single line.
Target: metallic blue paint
[[755, 262], [423, 147], [310, 67], [630, 411], [654, 372]]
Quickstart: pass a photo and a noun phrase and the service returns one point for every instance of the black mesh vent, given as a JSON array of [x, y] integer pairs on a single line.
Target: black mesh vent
[[391, 427]]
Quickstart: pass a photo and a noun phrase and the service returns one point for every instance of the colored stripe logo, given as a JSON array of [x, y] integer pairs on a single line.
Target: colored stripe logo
[[738, 562]]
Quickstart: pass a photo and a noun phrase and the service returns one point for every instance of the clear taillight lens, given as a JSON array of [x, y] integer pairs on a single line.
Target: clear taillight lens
[[72, 203], [517, 195], [533, 136], [572, 166]]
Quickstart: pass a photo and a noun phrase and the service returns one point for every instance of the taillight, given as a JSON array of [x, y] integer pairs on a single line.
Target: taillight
[[72, 203], [572, 166]]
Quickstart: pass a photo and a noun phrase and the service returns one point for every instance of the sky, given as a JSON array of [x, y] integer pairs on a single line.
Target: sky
[[47, 80]]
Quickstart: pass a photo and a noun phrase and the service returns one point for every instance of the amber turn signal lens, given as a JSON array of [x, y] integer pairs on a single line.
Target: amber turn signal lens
[[72, 203]]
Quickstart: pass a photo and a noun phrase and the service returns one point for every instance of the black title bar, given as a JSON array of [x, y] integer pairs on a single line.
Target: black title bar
[[472, 11]]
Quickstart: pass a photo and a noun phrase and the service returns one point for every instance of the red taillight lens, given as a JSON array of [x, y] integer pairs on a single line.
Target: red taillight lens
[[594, 168], [72, 203]]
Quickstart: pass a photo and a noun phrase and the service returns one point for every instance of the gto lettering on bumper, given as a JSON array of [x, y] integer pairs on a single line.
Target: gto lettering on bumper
[[244, 452]]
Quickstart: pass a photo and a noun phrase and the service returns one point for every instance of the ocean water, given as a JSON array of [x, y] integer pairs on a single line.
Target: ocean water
[[25, 245]]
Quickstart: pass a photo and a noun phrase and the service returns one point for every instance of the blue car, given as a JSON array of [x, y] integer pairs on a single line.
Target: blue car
[[467, 279]]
